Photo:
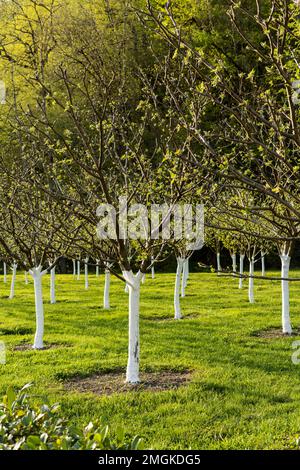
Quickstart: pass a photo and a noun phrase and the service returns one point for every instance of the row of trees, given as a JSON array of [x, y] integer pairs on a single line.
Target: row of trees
[[133, 101]]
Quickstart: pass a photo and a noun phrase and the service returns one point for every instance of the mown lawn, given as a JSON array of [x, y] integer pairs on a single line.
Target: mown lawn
[[244, 393]]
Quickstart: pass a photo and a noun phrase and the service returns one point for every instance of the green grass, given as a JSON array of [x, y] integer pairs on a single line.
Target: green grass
[[245, 391]]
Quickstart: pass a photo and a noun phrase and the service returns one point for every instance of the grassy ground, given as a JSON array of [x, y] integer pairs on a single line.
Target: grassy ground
[[244, 393]]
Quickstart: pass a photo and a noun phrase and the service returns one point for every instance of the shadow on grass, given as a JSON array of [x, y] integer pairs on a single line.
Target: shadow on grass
[[17, 330]]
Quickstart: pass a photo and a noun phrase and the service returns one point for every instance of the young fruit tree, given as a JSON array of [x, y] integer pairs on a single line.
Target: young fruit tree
[[106, 172], [31, 226], [250, 93]]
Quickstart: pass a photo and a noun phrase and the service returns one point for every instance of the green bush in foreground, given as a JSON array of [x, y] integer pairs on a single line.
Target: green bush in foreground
[[26, 426]]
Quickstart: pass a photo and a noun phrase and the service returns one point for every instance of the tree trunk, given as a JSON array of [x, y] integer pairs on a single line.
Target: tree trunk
[[4, 273], [242, 257], [86, 273], [251, 281], [143, 278], [74, 268], [152, 268], [234, 265], [97, 268], [52, 286], [13, 281], [263, 265], [177, 289], [219, 267], [37, 275], [78, 270], [106, 295], [285, 268], [187, 271], [184, 277], [132, 375]]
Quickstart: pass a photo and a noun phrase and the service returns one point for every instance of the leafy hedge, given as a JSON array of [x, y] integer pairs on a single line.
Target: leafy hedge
[[26, 426]]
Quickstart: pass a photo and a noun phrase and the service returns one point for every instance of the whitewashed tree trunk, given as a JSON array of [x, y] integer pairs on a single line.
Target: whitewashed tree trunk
[[242, 257], [97, 267], [143, 278], [152, 268], [106, 294], [86, 273], [134, 282], [187, 271], [234, 265], [219, 267], [251, 281], [13, 281], [263, 264], [26, 277], [285, 268], [37, 275], [74, 268], [177, 289], [78, 270], [52, 286], [184, 277], [4, 272], [126, 290]]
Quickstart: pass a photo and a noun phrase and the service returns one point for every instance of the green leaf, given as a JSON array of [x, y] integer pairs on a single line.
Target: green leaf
[[33, 442], [136, 443], [11, 396], [28, 385]]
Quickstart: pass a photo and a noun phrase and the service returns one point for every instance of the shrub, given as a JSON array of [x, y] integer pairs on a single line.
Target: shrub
[[27, 426]]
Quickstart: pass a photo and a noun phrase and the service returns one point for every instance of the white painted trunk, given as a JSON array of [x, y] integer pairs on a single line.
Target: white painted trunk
[[106, 295], [187, 271], [78, 270], [97, 268], [37, 275], [26, 277], [177, 289], [143, 278], [74, 268], [52, 286], [86, 274], [184, 277], [242, 257], [132, 374], [126, 289], [152, 268], [234, 265], [219, 267], [13, 281], [251, 281], [263, 264], [4, 272], [286, 321]]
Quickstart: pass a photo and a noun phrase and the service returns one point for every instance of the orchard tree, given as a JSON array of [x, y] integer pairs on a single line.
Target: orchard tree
[[246, 119], [31, 227], [106, 141]]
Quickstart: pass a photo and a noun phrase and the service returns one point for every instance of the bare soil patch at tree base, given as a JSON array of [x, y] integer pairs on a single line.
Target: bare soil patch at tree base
[[114, 382], [273, 333], [28, 347]]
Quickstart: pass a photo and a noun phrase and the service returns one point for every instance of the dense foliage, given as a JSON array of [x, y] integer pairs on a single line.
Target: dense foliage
[[27, 426]]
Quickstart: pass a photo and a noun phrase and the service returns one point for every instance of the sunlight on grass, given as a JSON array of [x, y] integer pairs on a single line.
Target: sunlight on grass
[[244, 391]]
